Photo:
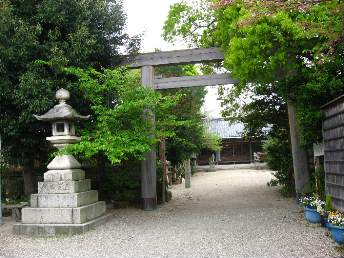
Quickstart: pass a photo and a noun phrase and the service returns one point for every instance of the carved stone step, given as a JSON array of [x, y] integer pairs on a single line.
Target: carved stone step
[[64, 186], [63, 215], [64, 175], [63, 200]]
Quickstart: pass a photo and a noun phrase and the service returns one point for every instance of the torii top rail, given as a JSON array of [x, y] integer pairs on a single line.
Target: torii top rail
[[178, 57], [147, 62]]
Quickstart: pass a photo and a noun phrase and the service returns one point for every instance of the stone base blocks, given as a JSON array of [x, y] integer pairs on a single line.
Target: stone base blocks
[[50, 230], [72, 200], [61, 187], [64, 204], [77, 215]]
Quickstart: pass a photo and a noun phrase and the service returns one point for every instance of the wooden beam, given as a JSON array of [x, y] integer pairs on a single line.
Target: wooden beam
[[193, 81], [186, 56]]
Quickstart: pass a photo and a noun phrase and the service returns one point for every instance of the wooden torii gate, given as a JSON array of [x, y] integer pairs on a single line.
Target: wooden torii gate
[[147, 62]]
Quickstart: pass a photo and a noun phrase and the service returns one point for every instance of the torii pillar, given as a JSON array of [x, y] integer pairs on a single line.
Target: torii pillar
[[148, 166]]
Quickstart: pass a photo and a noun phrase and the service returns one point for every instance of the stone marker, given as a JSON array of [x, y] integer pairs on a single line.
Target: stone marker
[[187, 166], [65, 203]]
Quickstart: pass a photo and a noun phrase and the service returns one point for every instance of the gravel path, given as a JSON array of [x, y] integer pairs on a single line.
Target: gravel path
[[224, 214]]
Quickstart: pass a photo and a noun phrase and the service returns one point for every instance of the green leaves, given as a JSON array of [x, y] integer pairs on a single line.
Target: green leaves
[[278, 51], [189, 23], [63, 33], [118, 127]]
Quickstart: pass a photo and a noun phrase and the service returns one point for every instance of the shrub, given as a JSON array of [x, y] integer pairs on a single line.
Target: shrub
[[280, 160]]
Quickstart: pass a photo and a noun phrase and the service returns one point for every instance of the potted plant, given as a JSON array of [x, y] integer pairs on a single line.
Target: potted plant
[[336, 226], [313, 208]]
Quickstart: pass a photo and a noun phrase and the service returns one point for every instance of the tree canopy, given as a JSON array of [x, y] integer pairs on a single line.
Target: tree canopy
[[285, 55], [63, 33], [291, 50], [187, 138]]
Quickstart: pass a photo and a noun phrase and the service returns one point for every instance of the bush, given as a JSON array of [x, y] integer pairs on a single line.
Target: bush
[[121, 184], [280, 160]]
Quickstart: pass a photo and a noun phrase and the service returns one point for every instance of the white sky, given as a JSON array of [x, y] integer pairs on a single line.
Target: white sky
[[147, 17]]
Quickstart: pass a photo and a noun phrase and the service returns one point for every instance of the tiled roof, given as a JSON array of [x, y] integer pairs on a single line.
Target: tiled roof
[[224, 129]]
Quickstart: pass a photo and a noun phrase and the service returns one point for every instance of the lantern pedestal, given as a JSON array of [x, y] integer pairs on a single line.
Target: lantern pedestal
[[65, 203]]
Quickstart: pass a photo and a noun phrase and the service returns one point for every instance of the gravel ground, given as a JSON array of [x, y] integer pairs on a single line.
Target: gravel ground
[[224, 214]]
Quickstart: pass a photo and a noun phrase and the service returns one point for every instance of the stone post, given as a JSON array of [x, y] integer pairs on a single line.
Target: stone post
[[187, 166]]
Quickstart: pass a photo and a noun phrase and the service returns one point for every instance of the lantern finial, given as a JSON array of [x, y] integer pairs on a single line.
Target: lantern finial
[[62, 95]]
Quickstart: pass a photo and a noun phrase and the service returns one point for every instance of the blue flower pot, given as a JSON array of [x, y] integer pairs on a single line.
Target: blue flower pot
[[324, 222], [312, 215], [328, 225], [337, 233]]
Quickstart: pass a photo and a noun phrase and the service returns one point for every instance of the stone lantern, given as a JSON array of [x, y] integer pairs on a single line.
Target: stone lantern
[[62, 117], [65, 203]]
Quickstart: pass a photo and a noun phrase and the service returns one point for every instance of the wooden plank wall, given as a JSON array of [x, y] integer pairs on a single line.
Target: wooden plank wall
[[333, 135]]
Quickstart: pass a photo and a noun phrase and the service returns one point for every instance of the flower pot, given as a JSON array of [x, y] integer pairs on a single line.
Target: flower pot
[[324, 222], [328, 225], [337, 233], [312, 215]]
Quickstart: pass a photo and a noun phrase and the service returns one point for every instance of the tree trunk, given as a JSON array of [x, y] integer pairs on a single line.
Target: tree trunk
[[300, 158]]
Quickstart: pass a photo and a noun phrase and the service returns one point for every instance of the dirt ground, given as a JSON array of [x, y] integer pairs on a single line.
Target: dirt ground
[[228, 213]]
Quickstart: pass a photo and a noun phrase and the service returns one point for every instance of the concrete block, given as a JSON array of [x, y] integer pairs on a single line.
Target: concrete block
[[64, 162], [63, 215], [64, 186], [63, 200], [50, 230], [64, 175]]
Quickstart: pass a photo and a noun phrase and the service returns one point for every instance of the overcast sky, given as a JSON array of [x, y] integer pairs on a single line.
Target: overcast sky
[[147, 17]]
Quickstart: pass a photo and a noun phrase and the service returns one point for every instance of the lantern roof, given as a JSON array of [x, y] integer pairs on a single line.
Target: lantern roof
[[61, 111]]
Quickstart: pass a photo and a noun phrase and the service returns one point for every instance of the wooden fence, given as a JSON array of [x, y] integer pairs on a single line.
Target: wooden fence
[[333, 135]]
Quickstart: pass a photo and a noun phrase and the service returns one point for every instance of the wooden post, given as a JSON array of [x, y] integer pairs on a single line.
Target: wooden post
[[148, 166], [300, 158], [164, 167], [251, 153], [187, 166], [1, 165]]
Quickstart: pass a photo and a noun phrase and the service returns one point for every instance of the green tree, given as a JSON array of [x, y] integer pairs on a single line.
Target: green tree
[[188, 132], [118, 128], [64, 33], [277, 45], [188, 137]]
